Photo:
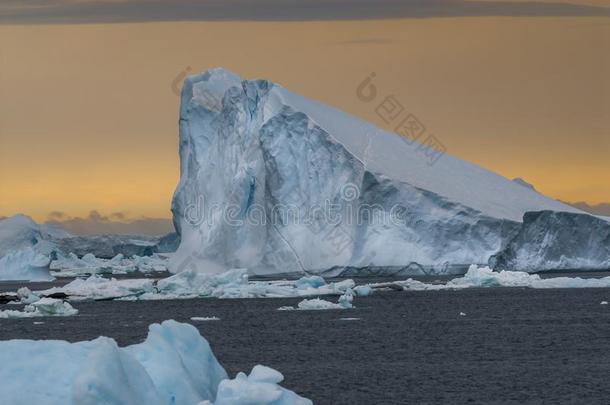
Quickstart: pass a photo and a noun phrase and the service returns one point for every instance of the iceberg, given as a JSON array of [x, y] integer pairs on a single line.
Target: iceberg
[[20, 232], [41, 307], [276, 183], [557, 241], [485, 277], [26, 264], [174, 365]]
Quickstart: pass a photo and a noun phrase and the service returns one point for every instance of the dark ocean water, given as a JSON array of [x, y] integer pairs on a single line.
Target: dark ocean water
[[513, 345]]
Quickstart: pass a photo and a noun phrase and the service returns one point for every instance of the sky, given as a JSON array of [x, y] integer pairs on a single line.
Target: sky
[[89, 104]]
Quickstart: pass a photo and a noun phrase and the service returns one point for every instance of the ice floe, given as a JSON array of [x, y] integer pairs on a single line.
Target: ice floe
[[42, 307], [71, 265], [482, 277], [174, 365], [345, 302], [192, 284]]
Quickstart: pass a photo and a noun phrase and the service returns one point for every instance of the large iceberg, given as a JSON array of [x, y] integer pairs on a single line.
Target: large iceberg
[[173, 366], [557, 241], [277, 183]]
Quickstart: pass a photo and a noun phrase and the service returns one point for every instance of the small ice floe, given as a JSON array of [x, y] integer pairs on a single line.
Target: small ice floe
[[42, 307], [204, 318], [603, 303], [38, 323], [462, 314], [345, 302], [363, 290], [192, 284], [349, 319]]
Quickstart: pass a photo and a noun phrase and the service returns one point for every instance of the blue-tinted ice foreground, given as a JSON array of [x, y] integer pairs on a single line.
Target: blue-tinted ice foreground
[[174, 365]]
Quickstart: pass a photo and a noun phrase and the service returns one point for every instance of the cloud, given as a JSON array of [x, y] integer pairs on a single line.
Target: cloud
[[112, 11], [117, 223], [602, 209]]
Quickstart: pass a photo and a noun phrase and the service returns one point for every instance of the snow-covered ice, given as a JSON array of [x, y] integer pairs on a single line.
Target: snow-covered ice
[[173, 366]]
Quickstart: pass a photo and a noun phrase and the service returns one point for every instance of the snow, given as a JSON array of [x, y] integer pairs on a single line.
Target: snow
[[42, 307], [249, 148], [174, 365], [25, 264]]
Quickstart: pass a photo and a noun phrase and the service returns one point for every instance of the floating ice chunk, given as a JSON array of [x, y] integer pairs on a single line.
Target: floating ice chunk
[[26, 296], [51, 307], [462, 314], [260, 388], [345, 302], [603, 303], [484, 277], [96, 287], [349, 319], [204, 318], [363, 290], [42, 307], [174, 365], [311, 281], [25, 264]]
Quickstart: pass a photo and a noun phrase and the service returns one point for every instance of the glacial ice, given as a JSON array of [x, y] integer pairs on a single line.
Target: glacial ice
[[25, 264], [260, 387], [484, 277], [261, 165], [557, 241], [173, 366], [41, 307], [71, 265], [345, 302], [192, 284]]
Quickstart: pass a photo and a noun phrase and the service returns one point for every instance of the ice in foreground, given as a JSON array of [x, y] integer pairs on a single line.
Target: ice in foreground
[[173, 366]]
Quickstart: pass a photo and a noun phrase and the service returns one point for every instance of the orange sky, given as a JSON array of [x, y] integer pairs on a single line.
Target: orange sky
[[88, 119]]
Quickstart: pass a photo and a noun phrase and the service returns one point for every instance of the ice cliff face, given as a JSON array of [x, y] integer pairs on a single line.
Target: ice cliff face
[[557, 241], [276, 183]]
